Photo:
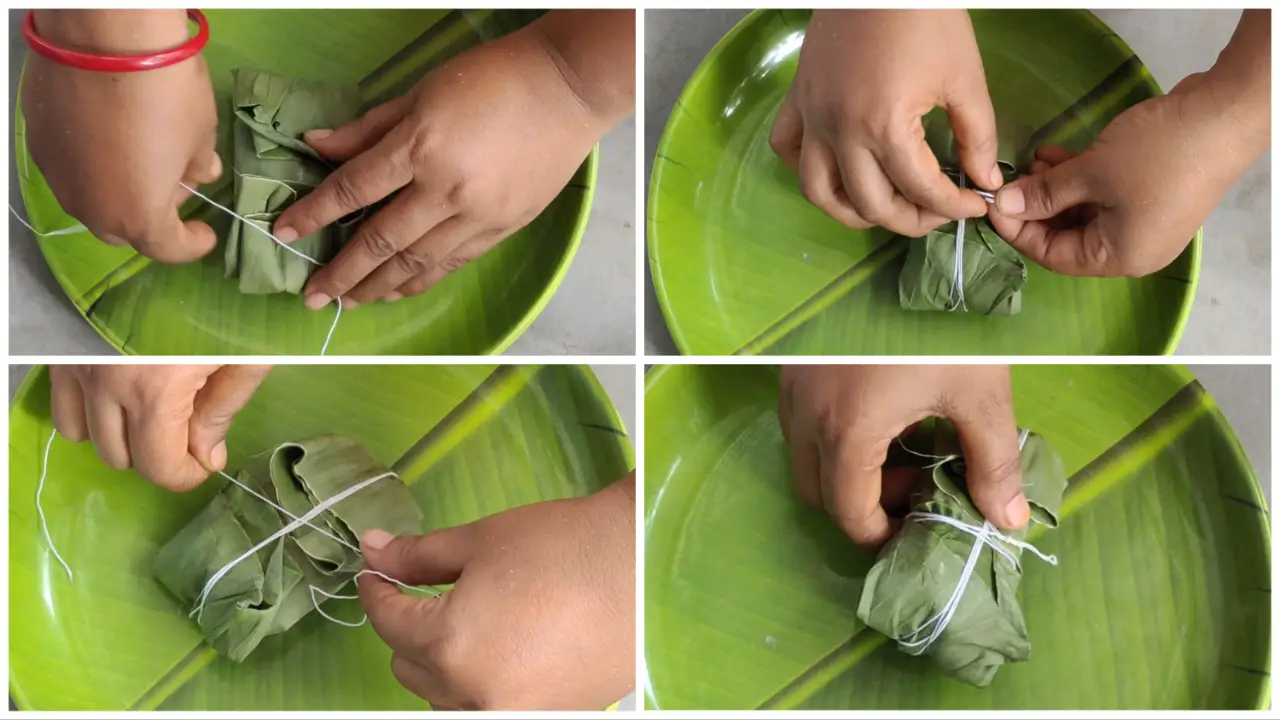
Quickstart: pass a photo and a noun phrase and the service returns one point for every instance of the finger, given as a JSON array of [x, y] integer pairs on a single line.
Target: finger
[[366, 179], [993, 460], [359, 135], [455, 260], [804, 453], [173, 241], [914, 172], [223, 395], [107, 430], [1078, 251], [205, 168], [874, 198], [423, 683], [851, 488], [1044, 195], [1039, 166], [1054, 154], [405, 219], [820, 183], [973, 120], [787, 133], [158, 445], [67, 400], [421, 257], [436, 558], [401, 620]]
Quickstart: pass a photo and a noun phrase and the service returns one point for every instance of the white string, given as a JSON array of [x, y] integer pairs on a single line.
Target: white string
[[44, 522], [984, 535], [957, 274], [73, 230]]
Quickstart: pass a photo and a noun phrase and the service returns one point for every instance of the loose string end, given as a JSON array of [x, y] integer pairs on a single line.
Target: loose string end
[[44, 522]]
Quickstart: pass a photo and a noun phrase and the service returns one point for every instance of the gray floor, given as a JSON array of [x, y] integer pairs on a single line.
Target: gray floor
[[592, 313], [1231, 315], [619, 382]]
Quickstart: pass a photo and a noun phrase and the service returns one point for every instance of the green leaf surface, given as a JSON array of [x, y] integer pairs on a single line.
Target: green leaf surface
[[469, 441], [1161, 599], [153, 309], [742, 263]]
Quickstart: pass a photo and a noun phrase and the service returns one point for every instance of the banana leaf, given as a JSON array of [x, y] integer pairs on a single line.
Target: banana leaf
[[742, 263], [1161, 598], [270, 591], [910, 587], [467, 440], [274, 168], [145, 308], [991, 274]]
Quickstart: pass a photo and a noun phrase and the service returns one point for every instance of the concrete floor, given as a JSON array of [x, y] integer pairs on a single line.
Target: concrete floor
[[1231, 314], [619, 382], [592, 313]]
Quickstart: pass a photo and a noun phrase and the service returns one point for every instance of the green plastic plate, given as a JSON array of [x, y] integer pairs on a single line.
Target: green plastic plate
[[741, 263], [1161, 598], [143, 308], [469, 440]]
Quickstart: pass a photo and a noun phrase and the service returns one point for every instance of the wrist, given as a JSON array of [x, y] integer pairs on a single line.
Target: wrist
[[621, 497], [1239, 83], [598, 76], [113, 32]]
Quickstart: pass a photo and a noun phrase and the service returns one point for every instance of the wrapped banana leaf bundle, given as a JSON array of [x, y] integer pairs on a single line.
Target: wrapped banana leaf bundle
[[938, 589], [979, 274], [267, 592], [273, 168]]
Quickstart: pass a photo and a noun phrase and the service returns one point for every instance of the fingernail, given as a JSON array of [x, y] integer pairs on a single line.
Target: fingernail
[[1010, 201], [286, 234], [392, 296], [349, 304], [315, 301], [997, 177], [219, 455], [376, 539], [318, 135], [1017, 512]]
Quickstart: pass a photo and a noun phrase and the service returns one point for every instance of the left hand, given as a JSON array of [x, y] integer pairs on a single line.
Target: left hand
[[541, 615], [477, 150]]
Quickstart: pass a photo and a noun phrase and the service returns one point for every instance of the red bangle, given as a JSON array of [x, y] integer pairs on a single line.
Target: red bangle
[[118, 63]]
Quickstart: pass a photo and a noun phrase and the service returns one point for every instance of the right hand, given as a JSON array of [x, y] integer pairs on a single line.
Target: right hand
[[839, 421], [851, 126], [168, 422], [114, 146]]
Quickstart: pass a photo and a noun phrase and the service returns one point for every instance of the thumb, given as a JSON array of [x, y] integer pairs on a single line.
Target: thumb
[[1047, 194], [174, 241], [436, 558], [223, 395], [359, 135], [993, 463]]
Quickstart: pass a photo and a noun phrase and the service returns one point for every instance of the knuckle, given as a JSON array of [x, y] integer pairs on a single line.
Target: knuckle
[[378, 245], [454, 262], [345, 192], [413, 263]]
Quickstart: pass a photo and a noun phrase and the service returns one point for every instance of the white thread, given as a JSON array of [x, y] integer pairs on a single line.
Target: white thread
[[73, 230], [984, 535], [957, 274], [297, 523], [44, 523]]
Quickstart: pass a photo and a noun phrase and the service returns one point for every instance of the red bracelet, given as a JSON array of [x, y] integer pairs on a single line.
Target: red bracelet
[[118, 63]]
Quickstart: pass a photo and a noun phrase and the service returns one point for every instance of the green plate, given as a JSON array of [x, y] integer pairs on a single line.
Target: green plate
[[152, 309], [1161, 599], [470, 441], [741, 263]]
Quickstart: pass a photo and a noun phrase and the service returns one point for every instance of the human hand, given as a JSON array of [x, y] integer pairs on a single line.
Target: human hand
[[169, 422], [541, 615], [1131, 203], [476, 151], [115, 146], [851, 126], [839, 421]]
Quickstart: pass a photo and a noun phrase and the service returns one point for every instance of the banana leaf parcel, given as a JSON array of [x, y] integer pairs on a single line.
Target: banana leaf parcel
[[990, 275], [269, 591], [987, 280], [915, 578], [273, 168]]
